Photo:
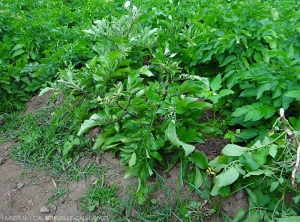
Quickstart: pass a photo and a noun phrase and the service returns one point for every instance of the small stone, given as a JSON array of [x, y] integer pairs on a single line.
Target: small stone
[[2, 160], [20, 185], [44, 209], [6, 154], [30, 202], [240, 194]]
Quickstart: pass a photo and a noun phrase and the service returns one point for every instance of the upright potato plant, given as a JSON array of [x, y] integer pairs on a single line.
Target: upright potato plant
[[146, 90], [147, 109]]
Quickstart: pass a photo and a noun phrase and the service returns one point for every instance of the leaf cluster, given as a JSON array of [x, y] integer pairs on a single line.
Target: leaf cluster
[[37, 38], [263, 170], [145, 88], [255, 47], [148, 113]]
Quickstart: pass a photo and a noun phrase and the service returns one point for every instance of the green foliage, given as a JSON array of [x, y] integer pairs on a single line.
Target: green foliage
[[99, 195], [145, 76], [266, 169], [148, 114], [43, 147], [255, 47], [37, 40], [149, 81]]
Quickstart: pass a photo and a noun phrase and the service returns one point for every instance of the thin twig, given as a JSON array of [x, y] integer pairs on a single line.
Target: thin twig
[[296, 165], [292, 136]]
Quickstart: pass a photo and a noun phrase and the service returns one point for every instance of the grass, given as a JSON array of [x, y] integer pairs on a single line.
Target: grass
[[40, 145]]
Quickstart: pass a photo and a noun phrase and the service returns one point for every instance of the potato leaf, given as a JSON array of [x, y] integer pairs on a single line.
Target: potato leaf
[[132, 160], [45, 90], [172, 136], [199, 159], [294, 93], [216, 83], [226, 178], [87, 124], [234, 150], [198, 178], [144, 70], [289, 219]]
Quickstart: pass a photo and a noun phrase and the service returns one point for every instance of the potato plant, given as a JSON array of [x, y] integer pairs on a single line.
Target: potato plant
[[144, 73]]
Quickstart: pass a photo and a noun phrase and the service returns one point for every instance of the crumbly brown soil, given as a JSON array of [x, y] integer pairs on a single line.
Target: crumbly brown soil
[[23, 192]]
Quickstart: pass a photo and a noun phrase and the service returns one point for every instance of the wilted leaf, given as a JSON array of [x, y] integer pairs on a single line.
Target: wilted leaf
[[199, 159], [245, 61], [255, 173], [45, 90], [92, 208], [172, 136], [234, 150], [248, 133], [132, 160], [225, 92], [130, 171], [76, 141], [226, 178], [253, 115], [187, 148], [198, 178], [251, 195], [275, 14], [87, 124], [89, 31], [98, 142]]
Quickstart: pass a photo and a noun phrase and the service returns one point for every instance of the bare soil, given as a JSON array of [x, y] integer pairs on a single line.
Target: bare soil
[[24, 192]]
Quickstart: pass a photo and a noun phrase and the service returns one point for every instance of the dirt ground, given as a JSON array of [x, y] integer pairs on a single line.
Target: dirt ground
[[24, 192]]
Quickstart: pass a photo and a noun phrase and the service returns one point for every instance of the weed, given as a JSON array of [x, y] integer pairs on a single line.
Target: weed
[[56, 195], [99, 197]]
